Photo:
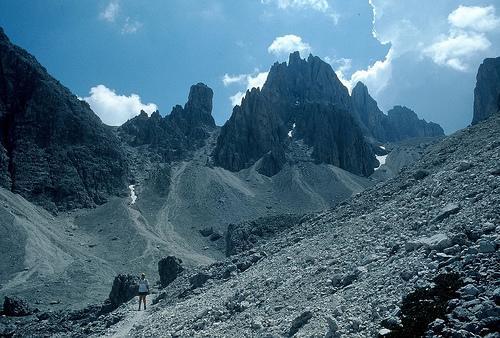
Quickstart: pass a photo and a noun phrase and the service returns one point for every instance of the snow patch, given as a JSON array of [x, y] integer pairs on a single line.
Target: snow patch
[[381, 158], [133, 196], [290, 132]]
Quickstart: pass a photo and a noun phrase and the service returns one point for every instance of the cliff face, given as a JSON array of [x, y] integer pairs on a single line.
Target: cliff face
[[487, 91], [54, 150], [399, 124], [404, 124], [305, 98], [174, 135]]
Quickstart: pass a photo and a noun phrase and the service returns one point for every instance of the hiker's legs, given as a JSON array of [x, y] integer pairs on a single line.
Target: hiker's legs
[[140, 300], [144, 299]]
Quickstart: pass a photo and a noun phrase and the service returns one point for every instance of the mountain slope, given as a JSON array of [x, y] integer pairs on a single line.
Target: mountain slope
[[54, 150], [343, 271]]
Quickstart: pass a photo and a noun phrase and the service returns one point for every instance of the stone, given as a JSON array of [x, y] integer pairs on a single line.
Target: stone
[[420, 174], [124, 288], [447, 211], [486, 246], [299, 322], [205, 232], [469, 289], [463, 166], [169, 268], [16, 307], [215, 236], [198, 280], [332, 328]]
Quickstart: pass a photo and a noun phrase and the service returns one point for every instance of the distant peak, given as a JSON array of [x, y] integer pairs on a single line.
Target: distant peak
[[294, 58], [3, 36]]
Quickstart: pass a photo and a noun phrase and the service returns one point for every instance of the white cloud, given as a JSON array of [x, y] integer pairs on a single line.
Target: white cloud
[[341, 66], [236, 98], [481, 19], [110, 11], [453, 50], [254, 80], [286, 44], [131, 26], [231, 79], [376, 77], [114, 109], [318, 5]]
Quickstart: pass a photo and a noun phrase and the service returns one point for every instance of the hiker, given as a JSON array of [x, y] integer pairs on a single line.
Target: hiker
[[143, 290]]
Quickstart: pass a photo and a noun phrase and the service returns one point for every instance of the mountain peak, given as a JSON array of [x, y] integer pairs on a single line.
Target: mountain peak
[[487, 90]]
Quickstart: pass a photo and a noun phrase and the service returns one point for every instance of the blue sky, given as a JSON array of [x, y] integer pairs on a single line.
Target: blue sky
[[422, 54]]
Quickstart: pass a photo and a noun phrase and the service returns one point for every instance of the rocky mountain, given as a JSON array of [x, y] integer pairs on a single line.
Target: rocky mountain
[[54, 150], [415, 256], [487, 91], [302, 100], [399, 124], [173, 135]]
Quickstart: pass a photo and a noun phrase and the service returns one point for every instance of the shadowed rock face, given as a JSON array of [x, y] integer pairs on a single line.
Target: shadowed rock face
[[173, 135], [487, 91], [54, 150], [404, 124], [401, 123], [306, 93]]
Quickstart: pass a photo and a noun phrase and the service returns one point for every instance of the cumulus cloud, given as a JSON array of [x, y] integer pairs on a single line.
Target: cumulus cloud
[[254, 80], [286, 44], [481, 19], [453, 50], [110, 11], [131, 26], [318, 5], [114, 109], [376, 77]]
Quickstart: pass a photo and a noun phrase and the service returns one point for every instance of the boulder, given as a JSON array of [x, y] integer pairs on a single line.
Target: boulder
[[447, 211], [16, 307], [298, 322], [124, 289], [168, 269], [198, 280], [437, 242], [205, 232]]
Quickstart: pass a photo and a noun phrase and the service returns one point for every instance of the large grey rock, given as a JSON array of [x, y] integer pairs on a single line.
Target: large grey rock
[[54, 150], [124, 288], [437, 242], [16, 307], [447, 211], [487, 91], [168, 269]]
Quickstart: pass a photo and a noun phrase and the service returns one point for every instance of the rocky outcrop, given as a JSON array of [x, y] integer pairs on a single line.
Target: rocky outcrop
[[373, 121], [16, 307], [405, 124], [487, 91], [399, 124], [307, 96], [172, 136], [168, 269], [53, 149], [124, 288]]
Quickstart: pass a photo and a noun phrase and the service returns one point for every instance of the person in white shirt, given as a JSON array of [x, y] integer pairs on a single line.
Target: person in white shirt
[[143, 290]]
